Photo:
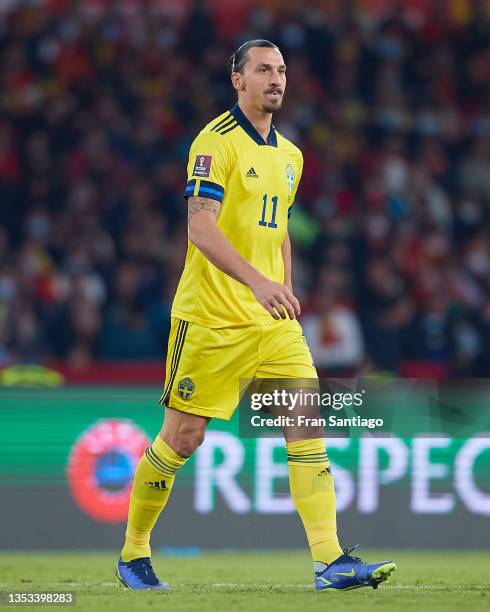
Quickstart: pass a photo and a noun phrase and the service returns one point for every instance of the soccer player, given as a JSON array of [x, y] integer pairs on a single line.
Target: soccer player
[[234, 317]]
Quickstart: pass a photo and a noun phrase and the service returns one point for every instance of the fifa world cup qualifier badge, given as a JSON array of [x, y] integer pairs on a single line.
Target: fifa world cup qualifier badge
[[290, 177], [202, 166]]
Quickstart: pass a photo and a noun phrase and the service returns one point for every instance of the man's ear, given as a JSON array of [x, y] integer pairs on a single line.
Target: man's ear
[[237, 80]]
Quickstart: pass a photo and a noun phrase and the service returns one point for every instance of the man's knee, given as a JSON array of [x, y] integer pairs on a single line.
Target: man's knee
[[183, 433], [187, 440]]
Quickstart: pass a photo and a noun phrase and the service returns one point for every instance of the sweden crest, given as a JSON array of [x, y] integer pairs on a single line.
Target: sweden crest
[[186, 388], [290, 177]]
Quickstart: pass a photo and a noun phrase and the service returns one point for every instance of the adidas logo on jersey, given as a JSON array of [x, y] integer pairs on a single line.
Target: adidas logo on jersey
[[157, 485], [252, 174]]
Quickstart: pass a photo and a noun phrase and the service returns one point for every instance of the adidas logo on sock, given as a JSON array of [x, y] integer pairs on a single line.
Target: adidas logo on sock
[[252, 174], [157, 485], [325, 471]]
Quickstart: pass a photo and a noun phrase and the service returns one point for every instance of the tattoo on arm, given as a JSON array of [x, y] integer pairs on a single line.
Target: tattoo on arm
[[196, 203]]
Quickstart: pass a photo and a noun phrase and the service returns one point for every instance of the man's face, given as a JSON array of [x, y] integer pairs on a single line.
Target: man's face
[[263, 81]]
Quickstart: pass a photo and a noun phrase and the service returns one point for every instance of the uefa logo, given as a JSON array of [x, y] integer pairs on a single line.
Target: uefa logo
[[101, 468]]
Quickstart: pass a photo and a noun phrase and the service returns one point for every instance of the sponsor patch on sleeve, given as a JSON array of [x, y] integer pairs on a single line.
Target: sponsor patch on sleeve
[[202, 166]]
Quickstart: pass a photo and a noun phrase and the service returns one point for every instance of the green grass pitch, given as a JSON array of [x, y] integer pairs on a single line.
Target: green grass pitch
[[282, 581]]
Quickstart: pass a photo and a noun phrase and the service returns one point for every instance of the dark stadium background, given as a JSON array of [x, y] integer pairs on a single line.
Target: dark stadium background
[[99, 102]]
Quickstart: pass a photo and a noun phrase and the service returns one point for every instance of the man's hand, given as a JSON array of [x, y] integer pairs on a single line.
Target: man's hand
[[277, 299]]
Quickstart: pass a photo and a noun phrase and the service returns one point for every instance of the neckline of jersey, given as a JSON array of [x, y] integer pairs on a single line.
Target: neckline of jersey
[[244, 123]]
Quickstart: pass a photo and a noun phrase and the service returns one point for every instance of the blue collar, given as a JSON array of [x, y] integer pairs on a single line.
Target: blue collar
[[244, 123]]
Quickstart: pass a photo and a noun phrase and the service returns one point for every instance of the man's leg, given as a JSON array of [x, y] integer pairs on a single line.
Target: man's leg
[[311, 481], [180, 436], [285, 356], [313, 494]]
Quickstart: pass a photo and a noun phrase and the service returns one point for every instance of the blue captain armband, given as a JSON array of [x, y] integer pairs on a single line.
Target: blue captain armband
[[204, 189]]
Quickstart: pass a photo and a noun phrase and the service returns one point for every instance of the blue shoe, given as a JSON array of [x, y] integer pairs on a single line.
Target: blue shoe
[[138, 575], [349, 572]]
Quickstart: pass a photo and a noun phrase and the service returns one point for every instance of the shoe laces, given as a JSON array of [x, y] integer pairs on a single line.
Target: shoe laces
[[143, 569], [347, 557]]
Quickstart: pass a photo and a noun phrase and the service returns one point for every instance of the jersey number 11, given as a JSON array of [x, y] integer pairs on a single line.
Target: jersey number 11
[[272, 222]]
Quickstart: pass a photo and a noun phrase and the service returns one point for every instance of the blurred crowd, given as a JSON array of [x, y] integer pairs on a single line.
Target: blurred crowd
[[391, 227]]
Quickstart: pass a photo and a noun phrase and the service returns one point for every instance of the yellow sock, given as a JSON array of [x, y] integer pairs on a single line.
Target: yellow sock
[[153, 481], [313, 495]]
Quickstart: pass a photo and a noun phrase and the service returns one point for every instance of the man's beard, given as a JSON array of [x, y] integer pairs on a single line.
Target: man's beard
[[271, 108]]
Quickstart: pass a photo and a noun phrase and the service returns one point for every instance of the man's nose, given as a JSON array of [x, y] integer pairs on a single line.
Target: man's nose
[[275, 79]]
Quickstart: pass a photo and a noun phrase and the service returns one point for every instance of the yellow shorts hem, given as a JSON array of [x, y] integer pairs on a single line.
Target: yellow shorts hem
[[211, 413]]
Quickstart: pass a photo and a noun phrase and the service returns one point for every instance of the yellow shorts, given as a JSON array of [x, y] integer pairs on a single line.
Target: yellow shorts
[[204, 365]]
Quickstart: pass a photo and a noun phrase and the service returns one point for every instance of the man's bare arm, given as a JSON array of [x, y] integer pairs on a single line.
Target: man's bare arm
[[195, 204], [207, 237], [286, 256]]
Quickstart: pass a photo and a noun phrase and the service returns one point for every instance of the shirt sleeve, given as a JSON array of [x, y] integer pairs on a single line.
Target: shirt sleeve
[[208, 168], [299, 172]]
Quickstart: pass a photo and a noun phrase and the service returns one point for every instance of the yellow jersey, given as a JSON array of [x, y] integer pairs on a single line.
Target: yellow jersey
[[256, 182]]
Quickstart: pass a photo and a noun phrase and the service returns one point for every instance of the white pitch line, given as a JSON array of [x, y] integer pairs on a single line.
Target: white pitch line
[[67, 585], [383, 586], [223, 585], [429, 587], [248, 585]]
